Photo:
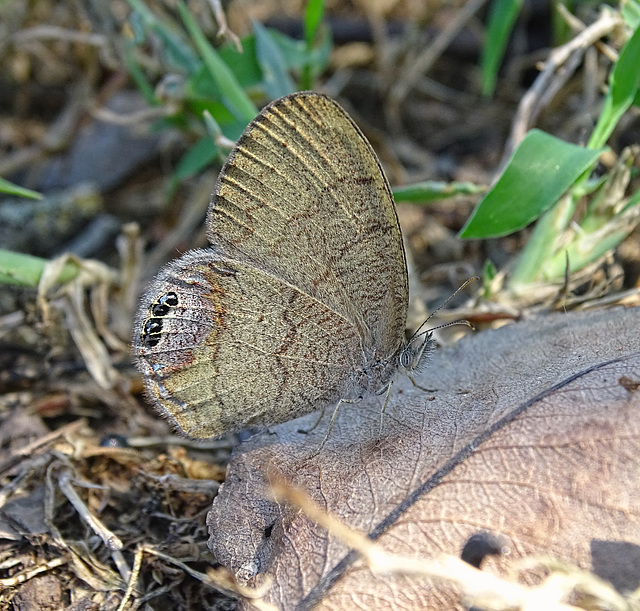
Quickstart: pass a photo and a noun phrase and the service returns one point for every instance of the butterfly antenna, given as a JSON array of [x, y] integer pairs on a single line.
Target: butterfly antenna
[[449, 324]]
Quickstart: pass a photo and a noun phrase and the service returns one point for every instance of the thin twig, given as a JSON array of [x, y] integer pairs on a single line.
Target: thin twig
[[529, 105], [473, 584], [13, 581], [223, 28], [53, 32], [221, 580], [31, 448], [419, 66], [151, 441], [146, 115], [135, 573], [111, 540], [578, 26]]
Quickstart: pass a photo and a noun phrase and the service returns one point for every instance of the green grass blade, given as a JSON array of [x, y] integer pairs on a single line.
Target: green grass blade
[[630, 12], [234, 97], [501, 19], [489, 272], [431, 191], [313, 14], [295, 54], [587, 248], [10, 189], [244, 64], [623, 87], [276, 79], [541, 243], [176, 50], [26, 270], [541, 169], [138, 76], [198, 157]]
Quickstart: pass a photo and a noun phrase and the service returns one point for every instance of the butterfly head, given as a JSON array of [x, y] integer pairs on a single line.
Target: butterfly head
[[414, 355]]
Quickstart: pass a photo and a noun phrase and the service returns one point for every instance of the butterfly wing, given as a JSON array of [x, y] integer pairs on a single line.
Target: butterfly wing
[[301, 301], [223, 345], [303, 197]]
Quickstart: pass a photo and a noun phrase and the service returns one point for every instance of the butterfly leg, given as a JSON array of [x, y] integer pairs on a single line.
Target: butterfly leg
[[332, 422], [413, 381], [307, 431], [387, 394]]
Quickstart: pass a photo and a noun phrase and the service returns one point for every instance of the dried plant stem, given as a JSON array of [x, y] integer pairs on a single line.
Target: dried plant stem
[[223, 28], [220, 580], [133, 578], [23, 576], [53, 32], [578, 26], [32, 448], [537, 96], [109, 538], [480, 587], [412, 72]]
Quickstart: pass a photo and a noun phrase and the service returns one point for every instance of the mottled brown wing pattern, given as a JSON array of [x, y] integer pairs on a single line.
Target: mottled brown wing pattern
[[239, 347], [302, 299], [303, 196]]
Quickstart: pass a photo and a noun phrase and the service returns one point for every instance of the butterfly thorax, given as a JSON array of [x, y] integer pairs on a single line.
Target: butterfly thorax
[[377, 373], [381, 370]]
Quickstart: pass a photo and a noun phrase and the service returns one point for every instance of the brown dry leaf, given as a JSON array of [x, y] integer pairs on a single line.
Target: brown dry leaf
[[531, 432]]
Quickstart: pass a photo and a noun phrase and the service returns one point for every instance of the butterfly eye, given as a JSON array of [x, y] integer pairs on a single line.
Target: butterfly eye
[[406, 357]]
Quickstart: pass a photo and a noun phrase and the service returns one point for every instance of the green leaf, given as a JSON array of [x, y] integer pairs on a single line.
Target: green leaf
[[541, 244], [11, 189], [26, 270], [233, 96], [541, 169], [213, 128], [176, 51], [297, 55], [313, 14], [231, 126], [501, 19], [316, 39], [244, 64], [587, 247], [277, 81], [630, 11], [489, 272], [623, 87], [139, 77], [431, 190], [198, 157]]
